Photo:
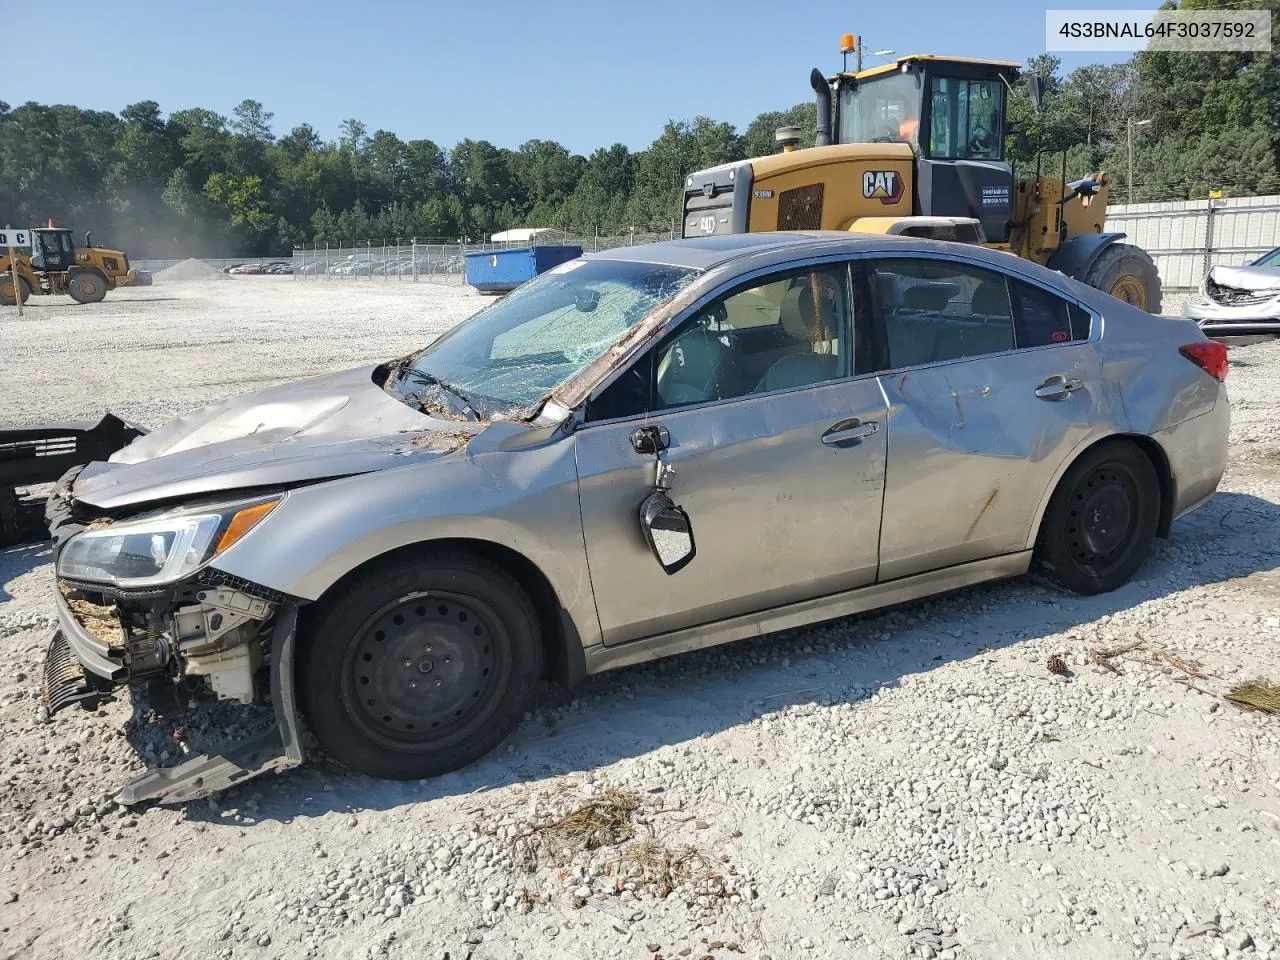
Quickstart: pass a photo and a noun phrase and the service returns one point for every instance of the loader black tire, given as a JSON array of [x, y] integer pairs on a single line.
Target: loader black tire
[[1127, 273], [86, 287], [6, 290]]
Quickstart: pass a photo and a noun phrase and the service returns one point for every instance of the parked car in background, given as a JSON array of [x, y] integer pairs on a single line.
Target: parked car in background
[[247, 268], [1239, 301], [638, 453]]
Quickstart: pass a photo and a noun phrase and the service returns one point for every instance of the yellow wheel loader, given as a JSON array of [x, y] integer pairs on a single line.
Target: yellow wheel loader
[[54, 264], [916, 147]]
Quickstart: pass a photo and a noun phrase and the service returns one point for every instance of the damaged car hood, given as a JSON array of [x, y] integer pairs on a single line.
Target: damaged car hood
[[1257, 279], [330, 426]]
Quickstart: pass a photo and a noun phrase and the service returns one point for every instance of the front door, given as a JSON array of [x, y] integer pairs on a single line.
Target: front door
[[778, 447], [992, 384]]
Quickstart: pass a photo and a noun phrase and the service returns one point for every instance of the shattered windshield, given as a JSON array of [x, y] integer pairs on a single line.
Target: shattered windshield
[[520, 349]]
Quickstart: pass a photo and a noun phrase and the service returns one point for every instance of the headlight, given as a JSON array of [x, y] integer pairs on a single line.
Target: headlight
[[160, 549]]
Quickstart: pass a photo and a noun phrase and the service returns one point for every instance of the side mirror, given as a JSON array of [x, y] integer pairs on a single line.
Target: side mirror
[[668, 532], [1035, 87]]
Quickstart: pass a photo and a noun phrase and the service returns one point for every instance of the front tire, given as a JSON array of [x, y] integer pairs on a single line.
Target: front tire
[[420, 666], [1101, 520], [86, 287]]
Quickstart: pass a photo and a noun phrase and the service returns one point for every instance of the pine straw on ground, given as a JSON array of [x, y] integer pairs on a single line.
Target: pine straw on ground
[[602, 822], [661, 866], [1255, 695]]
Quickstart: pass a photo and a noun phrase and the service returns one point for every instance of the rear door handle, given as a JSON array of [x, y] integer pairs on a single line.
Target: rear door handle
[[1058, 387], [846, 433]]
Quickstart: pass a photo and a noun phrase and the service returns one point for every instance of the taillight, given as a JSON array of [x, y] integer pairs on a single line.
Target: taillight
[[1209, 355]]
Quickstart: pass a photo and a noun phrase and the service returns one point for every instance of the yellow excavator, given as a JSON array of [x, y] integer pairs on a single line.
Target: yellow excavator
[[53, 264], [916, 147]]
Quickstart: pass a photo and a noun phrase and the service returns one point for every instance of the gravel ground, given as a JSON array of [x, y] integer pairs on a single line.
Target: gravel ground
[[915, 783]]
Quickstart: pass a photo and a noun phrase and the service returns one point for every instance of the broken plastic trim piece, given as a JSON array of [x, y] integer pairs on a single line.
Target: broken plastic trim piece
[[65, 681], [278, 749]]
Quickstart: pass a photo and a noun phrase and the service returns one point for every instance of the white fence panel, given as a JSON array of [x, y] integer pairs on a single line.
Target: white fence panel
[[1187, 237]]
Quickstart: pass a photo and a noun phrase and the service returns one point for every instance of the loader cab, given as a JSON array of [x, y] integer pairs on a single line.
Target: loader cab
[[52, 250], [952, 113]]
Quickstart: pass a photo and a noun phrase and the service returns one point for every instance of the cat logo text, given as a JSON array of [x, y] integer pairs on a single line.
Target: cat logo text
[[883, 185]]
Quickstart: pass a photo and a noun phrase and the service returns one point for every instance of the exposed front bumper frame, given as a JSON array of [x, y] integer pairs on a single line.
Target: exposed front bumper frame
[[280, 748], [92, 653]]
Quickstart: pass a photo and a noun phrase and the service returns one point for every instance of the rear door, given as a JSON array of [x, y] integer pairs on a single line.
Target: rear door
[[992, 382], [778, 446]]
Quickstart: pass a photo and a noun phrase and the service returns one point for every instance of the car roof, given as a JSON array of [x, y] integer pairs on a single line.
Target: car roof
[[704, 253]]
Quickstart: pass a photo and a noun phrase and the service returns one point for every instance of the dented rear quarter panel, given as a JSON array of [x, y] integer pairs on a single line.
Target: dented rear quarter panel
[[1154, 391], [1169, 398]]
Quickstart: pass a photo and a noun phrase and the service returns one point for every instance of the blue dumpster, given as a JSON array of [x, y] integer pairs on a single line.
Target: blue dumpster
[[502, 270]]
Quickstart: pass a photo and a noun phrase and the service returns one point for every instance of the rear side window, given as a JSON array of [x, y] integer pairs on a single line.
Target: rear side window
[[1042, 318], [1081, 322], [935, 310]]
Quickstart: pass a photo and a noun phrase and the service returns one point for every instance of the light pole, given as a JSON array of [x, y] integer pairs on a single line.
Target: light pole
[[1133, 123]]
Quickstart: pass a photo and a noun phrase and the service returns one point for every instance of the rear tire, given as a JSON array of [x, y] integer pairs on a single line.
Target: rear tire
[[1127, 273], [420, 666], [86, 287], [1101, 520], [6, 290]]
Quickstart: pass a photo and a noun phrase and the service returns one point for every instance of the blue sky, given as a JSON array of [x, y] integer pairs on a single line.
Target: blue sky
[[584, 72]]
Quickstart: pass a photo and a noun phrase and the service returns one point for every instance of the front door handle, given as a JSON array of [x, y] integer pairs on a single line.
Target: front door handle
[[1058, 387], [846, 433]]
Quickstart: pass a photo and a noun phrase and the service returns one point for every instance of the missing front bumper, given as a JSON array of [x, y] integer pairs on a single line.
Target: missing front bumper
[[66, 682]]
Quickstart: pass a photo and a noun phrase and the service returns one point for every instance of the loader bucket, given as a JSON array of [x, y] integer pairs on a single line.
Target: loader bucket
[[34, 455]]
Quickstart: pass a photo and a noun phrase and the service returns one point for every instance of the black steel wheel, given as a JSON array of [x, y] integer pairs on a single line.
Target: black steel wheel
[[1102, 518], [424, 669], [420, 667]]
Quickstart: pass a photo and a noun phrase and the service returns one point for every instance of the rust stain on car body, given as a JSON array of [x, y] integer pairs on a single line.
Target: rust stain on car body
[[968, 534]]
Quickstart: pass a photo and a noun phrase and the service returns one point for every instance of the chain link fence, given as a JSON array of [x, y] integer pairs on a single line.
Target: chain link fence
[[414, 260]]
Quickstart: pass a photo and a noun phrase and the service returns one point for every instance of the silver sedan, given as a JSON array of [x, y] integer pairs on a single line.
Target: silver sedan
[[642, 452], [1239, 301]]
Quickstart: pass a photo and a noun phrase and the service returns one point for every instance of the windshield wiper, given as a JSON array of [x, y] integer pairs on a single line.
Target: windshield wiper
[[430, 379]]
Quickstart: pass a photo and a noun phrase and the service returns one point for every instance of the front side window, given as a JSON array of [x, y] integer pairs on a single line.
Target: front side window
[[965, 119], [881, 109], [57, 243], [789, 331], [537, 337], [936, 310]]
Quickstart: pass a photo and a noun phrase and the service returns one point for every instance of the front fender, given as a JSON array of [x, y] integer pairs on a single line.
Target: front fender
[[524, 500], [1077, 255]]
